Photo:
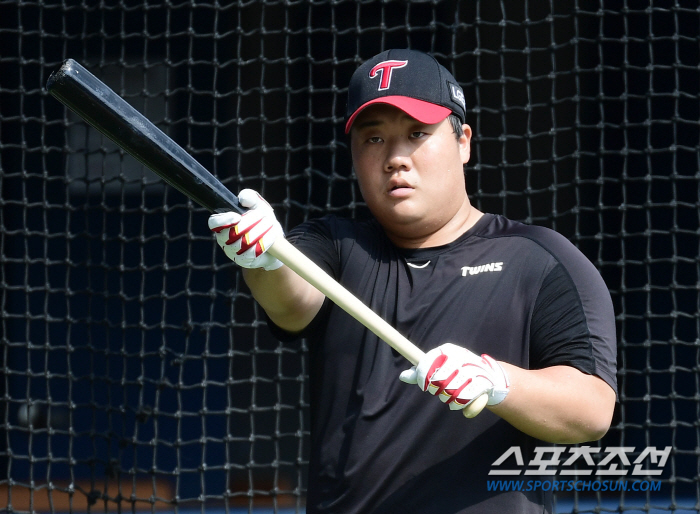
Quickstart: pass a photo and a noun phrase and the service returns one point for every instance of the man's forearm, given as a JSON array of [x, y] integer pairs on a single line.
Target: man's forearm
[[559, 404], [289, 301]]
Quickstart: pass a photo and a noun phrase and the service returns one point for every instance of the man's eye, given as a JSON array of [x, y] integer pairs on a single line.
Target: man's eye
[[374, 139], [417, 134]]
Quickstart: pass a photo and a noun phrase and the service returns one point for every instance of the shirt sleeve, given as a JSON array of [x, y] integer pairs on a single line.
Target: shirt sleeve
[[315, 240], [561, 331]]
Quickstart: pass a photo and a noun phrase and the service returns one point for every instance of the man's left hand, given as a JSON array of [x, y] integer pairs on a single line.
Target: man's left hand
[[458, 376]]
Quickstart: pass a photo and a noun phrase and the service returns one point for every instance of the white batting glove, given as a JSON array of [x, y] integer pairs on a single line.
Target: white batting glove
[[245, 238], [458, 376]]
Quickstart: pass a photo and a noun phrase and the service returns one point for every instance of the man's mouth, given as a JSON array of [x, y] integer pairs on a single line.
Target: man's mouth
[[400, 190]]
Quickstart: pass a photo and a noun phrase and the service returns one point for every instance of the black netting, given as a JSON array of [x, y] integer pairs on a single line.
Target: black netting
[[137, 371]]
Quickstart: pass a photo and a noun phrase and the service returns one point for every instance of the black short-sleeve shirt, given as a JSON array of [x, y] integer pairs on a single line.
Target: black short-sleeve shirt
[[522, 294]]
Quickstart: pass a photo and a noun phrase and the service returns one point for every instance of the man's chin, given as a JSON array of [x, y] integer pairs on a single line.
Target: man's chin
[[400, 219], [396, 211]]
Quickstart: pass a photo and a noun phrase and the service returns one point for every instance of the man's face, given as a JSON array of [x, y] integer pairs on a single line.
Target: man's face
[[411, 175]]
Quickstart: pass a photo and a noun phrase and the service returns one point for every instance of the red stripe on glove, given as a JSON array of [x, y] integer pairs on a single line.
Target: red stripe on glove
[[247, 245], [219, 229], [439, 361], [454, 393]]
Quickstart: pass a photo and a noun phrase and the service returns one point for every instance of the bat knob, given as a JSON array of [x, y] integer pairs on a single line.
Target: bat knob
[[475, 407]]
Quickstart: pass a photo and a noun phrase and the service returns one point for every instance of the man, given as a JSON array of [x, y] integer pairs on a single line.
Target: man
[[500, 308]]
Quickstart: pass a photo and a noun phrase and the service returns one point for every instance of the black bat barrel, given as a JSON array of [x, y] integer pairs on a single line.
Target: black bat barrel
[[102, 108]]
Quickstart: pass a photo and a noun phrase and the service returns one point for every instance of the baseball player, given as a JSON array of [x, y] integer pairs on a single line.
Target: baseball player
[[500, 308]]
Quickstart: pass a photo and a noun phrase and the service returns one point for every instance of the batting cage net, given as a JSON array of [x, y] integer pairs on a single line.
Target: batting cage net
[[138, 374]]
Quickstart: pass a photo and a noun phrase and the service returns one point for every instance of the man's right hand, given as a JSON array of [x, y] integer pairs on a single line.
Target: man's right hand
[[245, 238]]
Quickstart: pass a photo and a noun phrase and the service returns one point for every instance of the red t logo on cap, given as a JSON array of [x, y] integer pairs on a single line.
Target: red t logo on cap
[[386, 68]]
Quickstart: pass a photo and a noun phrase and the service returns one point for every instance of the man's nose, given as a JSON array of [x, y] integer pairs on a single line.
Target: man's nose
[[398, 158]]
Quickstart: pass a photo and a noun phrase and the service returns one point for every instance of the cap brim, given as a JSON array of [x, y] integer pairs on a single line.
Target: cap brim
[[425, 112]]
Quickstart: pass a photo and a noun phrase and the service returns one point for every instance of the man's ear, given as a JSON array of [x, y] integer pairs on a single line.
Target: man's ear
[[465, 143]]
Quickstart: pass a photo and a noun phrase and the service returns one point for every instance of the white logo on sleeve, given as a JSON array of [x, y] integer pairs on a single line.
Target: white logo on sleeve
[[484, 268]]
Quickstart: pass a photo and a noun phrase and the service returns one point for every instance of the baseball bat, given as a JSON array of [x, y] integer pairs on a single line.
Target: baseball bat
[[96, 103]]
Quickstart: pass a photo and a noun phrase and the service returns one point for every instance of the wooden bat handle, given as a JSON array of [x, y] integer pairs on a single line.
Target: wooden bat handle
[[314, 275]]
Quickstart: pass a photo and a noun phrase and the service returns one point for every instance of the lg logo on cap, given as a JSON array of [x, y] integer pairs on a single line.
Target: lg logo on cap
[[385, 69], [457, 95]]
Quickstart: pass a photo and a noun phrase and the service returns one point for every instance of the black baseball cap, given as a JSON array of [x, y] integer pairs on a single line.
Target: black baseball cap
[[410, 80]]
